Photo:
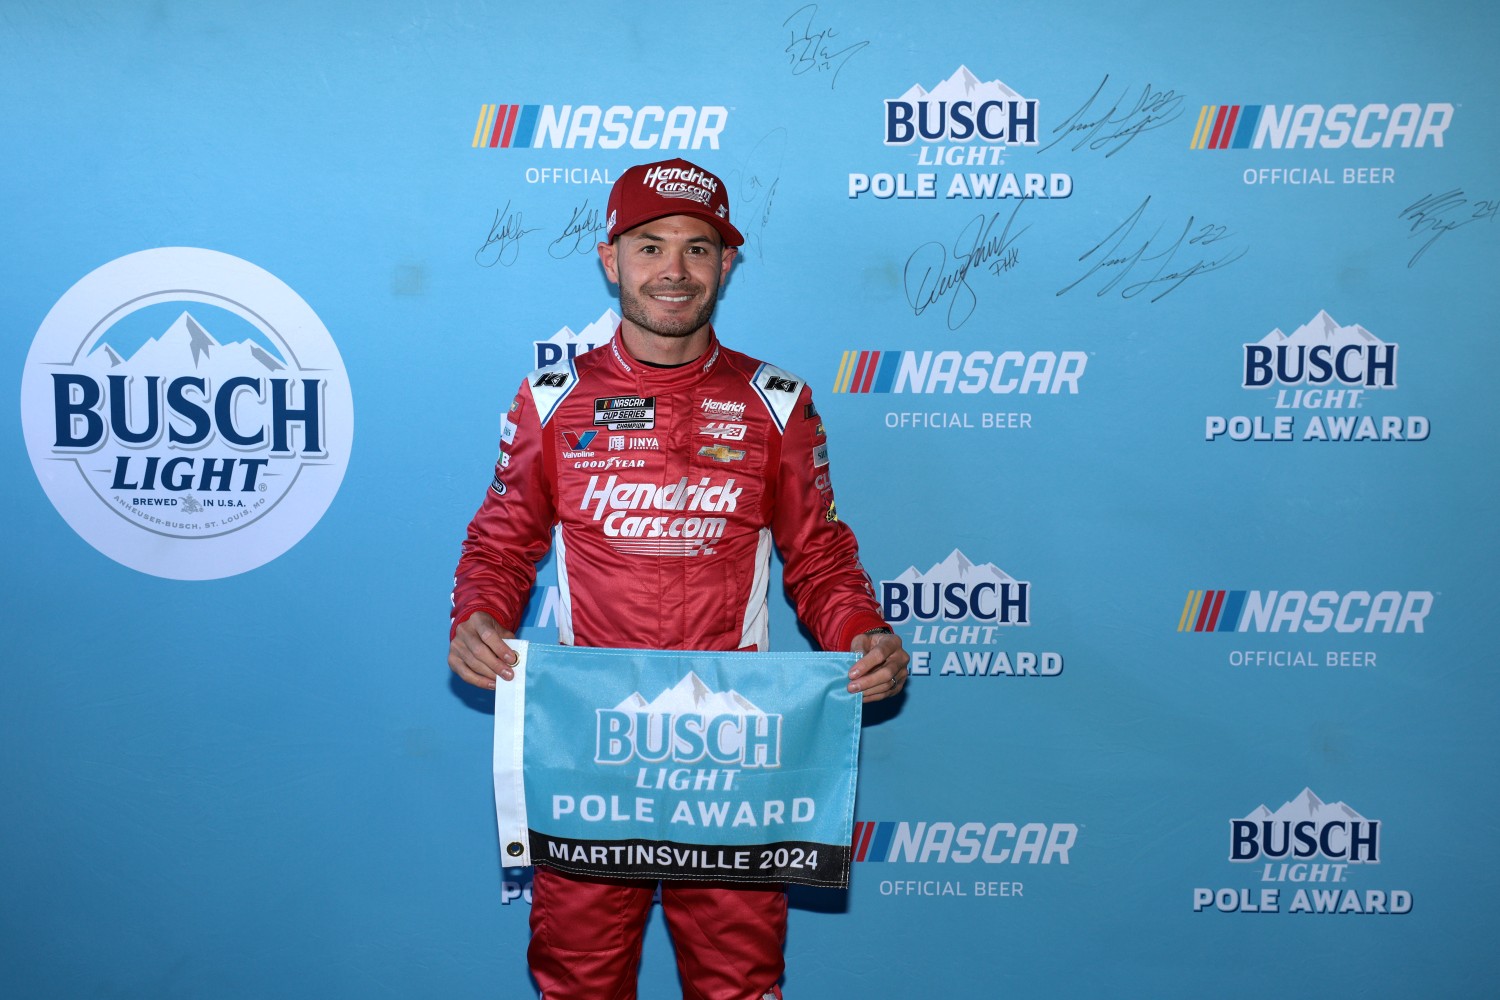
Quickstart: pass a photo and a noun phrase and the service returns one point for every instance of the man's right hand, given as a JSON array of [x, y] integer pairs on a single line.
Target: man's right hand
[[478, 652]]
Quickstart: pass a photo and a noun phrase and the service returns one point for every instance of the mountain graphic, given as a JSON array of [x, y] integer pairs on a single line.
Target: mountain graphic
[[187, 343], [963, 85], [690, 695], [1322, 329], [1306, 806], [595, 334], [957, 568]]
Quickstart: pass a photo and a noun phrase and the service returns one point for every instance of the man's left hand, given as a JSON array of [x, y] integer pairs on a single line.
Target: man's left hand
[[881, 671]]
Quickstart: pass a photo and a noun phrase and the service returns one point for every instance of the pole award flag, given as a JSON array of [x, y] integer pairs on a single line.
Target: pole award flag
[[730, 767]]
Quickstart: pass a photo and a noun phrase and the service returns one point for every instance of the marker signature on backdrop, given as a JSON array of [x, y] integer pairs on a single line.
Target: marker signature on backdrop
[[811, 50], [1118, 256], [755, 186], [583, 231], [1442, 213], [932, 276], [1115, 129], [503, 243]]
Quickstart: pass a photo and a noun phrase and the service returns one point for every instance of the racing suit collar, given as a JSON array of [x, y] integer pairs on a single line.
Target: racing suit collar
[[665, 378]]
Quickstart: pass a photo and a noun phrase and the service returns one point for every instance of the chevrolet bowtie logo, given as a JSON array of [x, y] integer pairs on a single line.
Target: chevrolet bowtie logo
[[721, 453]]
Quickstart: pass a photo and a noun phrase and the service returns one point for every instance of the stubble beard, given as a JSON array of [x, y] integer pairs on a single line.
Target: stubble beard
[[635, 308]]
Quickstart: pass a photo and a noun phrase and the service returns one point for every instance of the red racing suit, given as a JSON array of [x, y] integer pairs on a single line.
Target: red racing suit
[[662, 490]]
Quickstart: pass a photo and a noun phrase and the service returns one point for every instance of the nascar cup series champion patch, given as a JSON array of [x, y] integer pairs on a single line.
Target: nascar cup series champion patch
[[730, 767]]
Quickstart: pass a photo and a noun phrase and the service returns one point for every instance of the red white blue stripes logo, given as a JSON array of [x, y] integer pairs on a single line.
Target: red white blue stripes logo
[[506, 126], [867, 371], [868, 835], [1226, 126], [1212, 611]]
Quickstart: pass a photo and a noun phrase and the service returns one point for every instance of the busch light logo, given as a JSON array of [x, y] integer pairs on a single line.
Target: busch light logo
[[966, 124], [565, 345], [1321, 353], [1305, 828], [958, 613], [1308, 856], [187, 413], [686, 724], [961, 109], [1320, 383], [956, 590]]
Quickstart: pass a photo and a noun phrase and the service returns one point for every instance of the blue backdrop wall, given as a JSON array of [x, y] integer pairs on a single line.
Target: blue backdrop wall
[[1185, 320]]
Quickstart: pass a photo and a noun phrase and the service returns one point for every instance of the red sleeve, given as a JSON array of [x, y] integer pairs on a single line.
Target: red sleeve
[[831, 590], [513, 527]]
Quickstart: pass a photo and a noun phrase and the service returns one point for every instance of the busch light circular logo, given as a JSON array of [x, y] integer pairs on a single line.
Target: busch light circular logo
[[187, 413]]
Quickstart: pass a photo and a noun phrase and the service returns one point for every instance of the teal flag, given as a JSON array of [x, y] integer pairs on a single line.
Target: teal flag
[[736, 767]]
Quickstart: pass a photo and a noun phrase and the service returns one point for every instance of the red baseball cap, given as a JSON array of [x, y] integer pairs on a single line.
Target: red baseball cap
[[671, 187]]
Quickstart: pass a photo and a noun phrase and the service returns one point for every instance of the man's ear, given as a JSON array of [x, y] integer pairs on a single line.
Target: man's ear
[[607, 258]]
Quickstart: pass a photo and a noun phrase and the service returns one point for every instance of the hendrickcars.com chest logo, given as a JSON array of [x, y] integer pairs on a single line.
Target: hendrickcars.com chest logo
[[963, 126], [960, 612], [187, 413], [1307, 856], [1324, 383]]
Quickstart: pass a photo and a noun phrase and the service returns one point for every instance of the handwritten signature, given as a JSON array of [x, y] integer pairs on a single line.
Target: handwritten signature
[[932, 276], [810, 50], [503, 244], [1116, 129], [1442, 213], [755, 188], [1118, 255], [578, 235]]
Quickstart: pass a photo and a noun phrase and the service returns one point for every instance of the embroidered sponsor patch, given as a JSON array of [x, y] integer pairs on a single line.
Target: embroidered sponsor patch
[[625, 413]]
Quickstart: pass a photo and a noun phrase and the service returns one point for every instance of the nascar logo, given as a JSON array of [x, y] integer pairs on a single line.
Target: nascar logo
[[1286, 126], [965, 372], [548, 126], [964, 843], [1296, 610]]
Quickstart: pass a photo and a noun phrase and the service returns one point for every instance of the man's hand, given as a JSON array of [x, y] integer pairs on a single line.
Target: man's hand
[[478, 652], [881, 671]]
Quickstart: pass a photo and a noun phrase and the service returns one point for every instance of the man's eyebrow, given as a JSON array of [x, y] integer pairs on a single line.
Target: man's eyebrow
[[644, 235]]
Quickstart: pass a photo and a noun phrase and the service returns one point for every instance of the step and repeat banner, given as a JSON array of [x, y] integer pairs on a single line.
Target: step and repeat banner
[[1156, 346]]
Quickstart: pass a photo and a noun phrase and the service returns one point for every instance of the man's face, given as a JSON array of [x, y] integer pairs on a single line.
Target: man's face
[[669, 271]]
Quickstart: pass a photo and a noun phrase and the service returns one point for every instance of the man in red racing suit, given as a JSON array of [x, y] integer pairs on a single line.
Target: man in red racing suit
[[662, 467]]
